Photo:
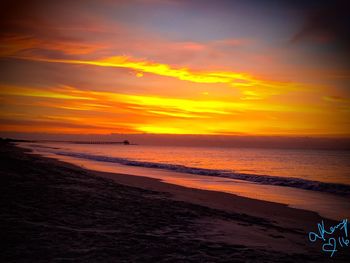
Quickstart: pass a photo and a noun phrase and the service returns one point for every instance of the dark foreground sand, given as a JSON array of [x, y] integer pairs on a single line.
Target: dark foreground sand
[[56, 212]]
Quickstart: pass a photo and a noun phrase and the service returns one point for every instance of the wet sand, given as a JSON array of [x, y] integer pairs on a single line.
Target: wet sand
[[53, 211]]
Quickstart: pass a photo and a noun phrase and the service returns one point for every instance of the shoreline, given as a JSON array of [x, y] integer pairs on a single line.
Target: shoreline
[[211, 198], [225, 224], [330, 206]]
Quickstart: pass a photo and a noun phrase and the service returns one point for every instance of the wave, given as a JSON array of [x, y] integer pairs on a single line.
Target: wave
[[43, 146], [340, 189]]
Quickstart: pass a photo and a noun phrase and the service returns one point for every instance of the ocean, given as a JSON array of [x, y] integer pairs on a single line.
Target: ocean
[[316, 180]]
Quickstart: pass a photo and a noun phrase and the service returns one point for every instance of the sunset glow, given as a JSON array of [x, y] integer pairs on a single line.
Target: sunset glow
[[124, 68]]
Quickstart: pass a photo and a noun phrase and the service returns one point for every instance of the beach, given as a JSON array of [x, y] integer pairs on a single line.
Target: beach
[[312, 180], [54, 211]]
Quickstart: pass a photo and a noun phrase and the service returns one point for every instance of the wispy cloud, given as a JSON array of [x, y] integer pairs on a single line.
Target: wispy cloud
[[142, 113], [234, 79], [171, 67]]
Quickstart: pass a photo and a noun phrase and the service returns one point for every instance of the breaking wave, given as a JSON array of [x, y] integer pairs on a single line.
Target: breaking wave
[[340, 189]]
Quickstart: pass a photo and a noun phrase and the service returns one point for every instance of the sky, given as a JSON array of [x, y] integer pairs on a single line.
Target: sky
[[175, 67]]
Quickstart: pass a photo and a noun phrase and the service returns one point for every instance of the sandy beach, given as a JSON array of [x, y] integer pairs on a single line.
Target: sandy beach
[[53, 211]]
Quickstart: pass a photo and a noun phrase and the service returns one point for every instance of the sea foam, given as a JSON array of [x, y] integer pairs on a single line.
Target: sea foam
[[340, 189]]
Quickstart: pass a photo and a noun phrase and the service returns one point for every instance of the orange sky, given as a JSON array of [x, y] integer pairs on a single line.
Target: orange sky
[[174, 67]]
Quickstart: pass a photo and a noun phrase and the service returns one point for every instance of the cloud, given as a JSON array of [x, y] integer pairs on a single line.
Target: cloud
[[38, 26], [234, 79], [68, 109], [328, 22], [336, 99], [14, 45], [130, 73], [43, 28], [59, 126]]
